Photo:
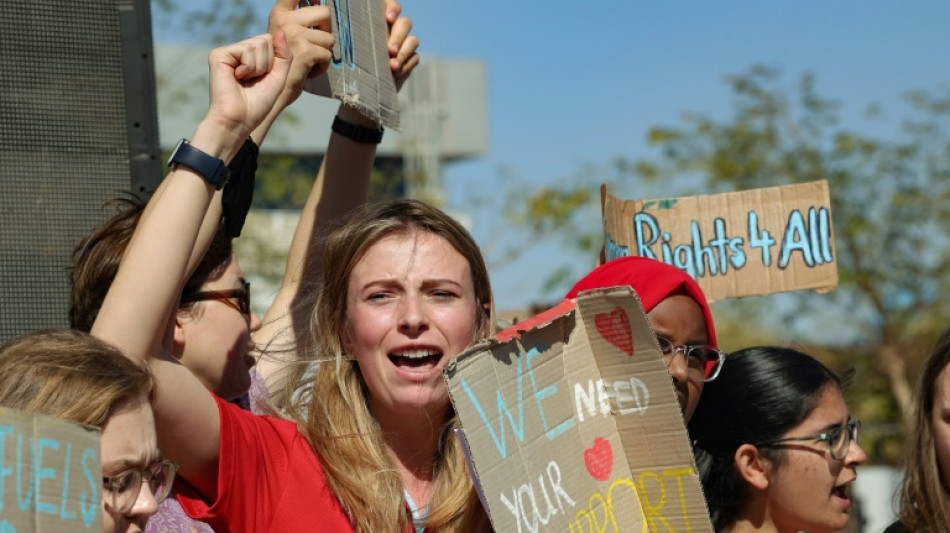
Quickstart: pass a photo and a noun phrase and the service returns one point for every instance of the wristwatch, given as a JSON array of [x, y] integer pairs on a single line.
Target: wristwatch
[[211, 168]]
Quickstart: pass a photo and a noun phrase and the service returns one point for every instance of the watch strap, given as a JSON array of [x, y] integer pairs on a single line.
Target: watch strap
[[212, 169], [357, 133]]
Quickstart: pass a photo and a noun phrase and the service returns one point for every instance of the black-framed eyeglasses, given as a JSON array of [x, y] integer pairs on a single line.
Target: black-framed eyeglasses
[[839, 439], [703, 362], [242, 295], [126, 486]]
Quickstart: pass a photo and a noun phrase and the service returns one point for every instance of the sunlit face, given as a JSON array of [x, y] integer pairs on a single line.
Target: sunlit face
[[216, 338], [410, 308], [808, 489], [128, 441], [940, 418], [680, 319]]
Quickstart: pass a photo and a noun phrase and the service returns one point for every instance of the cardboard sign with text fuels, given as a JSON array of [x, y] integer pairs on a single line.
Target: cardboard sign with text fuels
[[745, 243], [50, 475], [359, 71], [573, 425]]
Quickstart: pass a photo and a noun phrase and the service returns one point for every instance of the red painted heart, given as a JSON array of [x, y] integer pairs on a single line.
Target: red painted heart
[[614, 327], [599, 459]]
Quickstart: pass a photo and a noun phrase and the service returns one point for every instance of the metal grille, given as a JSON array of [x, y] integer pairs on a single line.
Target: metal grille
[[64, 146]]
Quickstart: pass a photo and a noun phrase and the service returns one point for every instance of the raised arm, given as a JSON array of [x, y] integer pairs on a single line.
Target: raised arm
[[310, 43], [245, 80], [342, 184]]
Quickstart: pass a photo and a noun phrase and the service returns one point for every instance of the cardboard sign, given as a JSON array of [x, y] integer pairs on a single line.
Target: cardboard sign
[[359, 72], [574, 426], [50, 475], [736, 244]]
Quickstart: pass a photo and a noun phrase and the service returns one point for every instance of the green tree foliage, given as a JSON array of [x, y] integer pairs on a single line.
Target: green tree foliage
[[891, 209], [284, 181]]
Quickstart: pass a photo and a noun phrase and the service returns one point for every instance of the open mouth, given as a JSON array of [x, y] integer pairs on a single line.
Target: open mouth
[[418, 359], [841, 492]]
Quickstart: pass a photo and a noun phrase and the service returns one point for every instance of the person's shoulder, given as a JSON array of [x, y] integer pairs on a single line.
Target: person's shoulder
[[234, 419]]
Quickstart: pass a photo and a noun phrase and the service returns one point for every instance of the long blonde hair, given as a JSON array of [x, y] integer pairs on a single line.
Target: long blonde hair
[[334, 414], [69, 374], [924, 495]]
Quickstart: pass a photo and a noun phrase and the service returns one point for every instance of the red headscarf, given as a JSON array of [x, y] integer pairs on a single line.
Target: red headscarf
[[652, 280]]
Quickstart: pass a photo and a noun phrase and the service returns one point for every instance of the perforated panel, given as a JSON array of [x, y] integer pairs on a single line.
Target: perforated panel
[[64, 144]]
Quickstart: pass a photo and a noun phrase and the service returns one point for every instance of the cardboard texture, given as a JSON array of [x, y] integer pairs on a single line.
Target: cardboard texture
[[359, 72], [573, 425], [744, 243], [51, 475]]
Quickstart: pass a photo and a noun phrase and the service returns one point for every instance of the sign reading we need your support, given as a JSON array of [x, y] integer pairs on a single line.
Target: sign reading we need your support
[[50, 475], [744, 243], [574, 426]]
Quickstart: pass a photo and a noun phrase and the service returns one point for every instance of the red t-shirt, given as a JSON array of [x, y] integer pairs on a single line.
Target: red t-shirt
[[269, 480]]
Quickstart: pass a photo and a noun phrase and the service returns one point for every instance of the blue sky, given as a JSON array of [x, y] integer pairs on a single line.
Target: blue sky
[[573, 83]]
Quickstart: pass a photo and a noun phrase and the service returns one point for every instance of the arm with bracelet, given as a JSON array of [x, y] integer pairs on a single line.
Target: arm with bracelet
[[342, 184], [310, 43]]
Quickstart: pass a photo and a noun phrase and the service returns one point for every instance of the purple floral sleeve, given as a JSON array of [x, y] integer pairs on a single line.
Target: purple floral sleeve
[[171, 518]]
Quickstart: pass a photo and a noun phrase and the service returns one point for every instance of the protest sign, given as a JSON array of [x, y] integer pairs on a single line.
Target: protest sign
[[359, 72], [572, 423], [50, 475], [744, 243]]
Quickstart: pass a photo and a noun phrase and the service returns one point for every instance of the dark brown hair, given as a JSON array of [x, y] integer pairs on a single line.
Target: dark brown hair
[[786, 386], [96, 261]]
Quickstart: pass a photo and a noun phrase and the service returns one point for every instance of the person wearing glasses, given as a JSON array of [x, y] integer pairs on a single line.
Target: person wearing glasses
[[404, 290], [679, 315], [775, 445], [71, 375], [102, 379], [213, 322], [372, 448], [924, 497]]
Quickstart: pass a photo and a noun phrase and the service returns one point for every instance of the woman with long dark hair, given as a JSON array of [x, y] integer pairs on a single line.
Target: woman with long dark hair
[[776, 447]]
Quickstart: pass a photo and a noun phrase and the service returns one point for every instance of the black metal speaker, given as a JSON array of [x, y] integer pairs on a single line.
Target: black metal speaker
[[78, 124]]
